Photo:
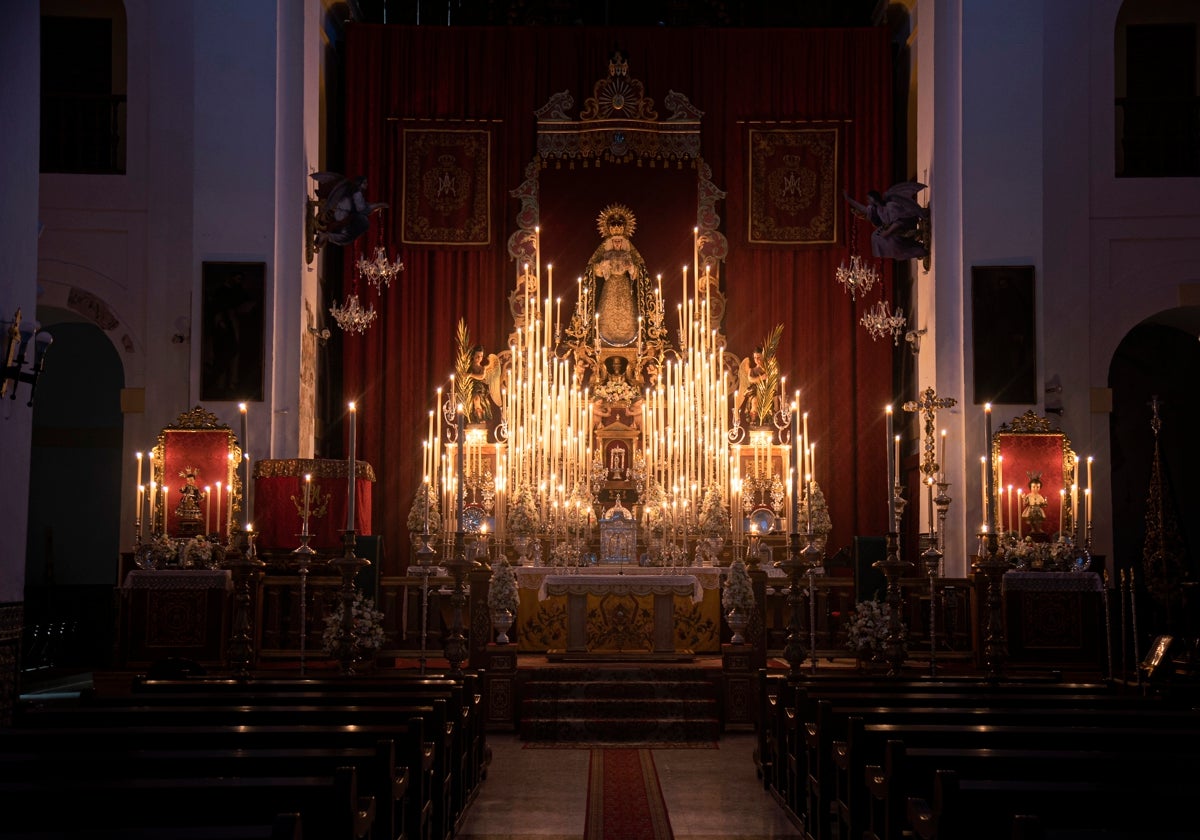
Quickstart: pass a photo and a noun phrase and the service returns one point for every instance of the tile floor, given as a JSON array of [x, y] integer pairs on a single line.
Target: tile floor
[[541, 794]]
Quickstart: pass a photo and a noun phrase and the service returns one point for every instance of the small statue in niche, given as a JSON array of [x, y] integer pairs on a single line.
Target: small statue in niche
[[618, 273], [1033, 506], [190, 497]]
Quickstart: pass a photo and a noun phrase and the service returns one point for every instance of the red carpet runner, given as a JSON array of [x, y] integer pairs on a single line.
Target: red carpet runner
[[624, 799]]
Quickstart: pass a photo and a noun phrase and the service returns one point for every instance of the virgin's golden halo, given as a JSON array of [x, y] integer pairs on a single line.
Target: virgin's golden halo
[[616, 218]]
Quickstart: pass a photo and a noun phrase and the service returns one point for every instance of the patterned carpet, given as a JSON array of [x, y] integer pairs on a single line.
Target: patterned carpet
[[624, 798]]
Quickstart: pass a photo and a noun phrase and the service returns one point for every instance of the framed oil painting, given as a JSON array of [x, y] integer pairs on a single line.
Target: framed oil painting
[[232, 311]]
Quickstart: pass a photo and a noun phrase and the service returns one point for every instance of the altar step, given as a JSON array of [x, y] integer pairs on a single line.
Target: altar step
[[615, 704]]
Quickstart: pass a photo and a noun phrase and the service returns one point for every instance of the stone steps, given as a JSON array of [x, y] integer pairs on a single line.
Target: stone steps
[[615, 704]]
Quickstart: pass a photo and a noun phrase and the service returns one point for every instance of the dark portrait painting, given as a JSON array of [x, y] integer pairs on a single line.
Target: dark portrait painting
[[1004, 318], [231, 335]]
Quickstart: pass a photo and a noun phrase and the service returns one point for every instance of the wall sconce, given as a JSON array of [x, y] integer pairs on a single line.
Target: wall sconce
[[16, 347]]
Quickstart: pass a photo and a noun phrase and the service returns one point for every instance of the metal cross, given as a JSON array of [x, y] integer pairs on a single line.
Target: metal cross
[[929, 405]]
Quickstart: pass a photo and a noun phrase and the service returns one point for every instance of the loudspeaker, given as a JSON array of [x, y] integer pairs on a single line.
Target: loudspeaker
[[869, 582]]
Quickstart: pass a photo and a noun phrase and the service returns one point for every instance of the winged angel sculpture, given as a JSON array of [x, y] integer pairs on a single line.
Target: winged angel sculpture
[[340, 213], [480, 375], [901, 223]]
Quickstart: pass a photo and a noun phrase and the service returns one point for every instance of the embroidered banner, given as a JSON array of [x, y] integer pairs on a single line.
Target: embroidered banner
[[447, 186], [793, 182]]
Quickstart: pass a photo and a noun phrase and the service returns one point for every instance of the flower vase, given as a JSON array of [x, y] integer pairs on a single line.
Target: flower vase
[[521, 543], [501, 621], [737, 621]]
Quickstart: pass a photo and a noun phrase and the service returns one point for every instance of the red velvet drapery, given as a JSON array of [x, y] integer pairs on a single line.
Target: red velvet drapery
[[502, 76]]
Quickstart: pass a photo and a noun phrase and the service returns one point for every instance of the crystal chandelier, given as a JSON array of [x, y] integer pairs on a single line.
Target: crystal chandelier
[[880, 321], [380, 271], [858, 277], [351, 316]]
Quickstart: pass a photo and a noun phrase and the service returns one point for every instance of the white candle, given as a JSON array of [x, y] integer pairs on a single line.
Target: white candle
[[983, 487], [141, 497], [207, 509], [153, 504], [1087, 503], [932, 528], [942, 458], [1062, 504], [891, 480], [1020, 511], [139, 473], [1087, 489], [218, 529], [350, 483], [307, 497], [987, 442], [246, 458]]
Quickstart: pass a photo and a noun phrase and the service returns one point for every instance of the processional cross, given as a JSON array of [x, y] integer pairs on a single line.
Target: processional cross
[[928, 405]]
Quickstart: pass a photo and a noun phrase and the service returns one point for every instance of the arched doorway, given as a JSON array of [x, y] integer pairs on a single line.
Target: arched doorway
[[74, 494], [1158, 361]]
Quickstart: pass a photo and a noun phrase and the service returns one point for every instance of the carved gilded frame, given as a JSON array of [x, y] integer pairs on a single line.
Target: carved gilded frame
[[1029, 447], [197, 442]]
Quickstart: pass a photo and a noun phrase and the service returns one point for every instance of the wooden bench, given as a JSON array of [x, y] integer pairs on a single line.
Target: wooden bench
[[909, 773], [985, 809], [283, 827], [417, 813], [330, 806]]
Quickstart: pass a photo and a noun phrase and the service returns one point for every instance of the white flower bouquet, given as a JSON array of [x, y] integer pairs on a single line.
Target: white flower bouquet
[[367, 624], [738, 593], [523, 515], [502, 591], [866, 628]]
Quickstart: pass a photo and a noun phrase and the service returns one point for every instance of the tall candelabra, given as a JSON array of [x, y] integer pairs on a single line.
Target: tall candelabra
[[797, 564], [348, 566], [245, 567], [456, 641], [991, 566], [893, 566]]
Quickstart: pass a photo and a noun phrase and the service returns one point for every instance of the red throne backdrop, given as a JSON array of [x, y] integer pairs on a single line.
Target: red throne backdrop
[[495, 79]]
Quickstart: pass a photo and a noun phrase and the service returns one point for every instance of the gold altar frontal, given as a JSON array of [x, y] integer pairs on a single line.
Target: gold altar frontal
[[614, 616]]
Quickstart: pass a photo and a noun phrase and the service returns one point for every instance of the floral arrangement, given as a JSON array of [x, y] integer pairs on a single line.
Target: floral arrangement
[[198, 552], [652, 507], [502, 591], [866, 628], [821, 523], [367, 622], [714, 515], [421, 509], [616, 390], [566, 553], [738, 594], [523, 515]]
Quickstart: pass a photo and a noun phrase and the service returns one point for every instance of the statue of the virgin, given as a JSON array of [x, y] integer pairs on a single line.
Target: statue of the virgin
[[618, 274]]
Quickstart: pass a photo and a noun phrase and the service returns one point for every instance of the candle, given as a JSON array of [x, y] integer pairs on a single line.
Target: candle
[[137, 519], [139, 473], [350, 484], [165, 494], [932, 528], [218, 529], [896, 450], [1020, 509], [1009, 503], [983, 488], [153, 504], [942, 457], [891, 479], [1087, 504], [246, 458], [987, 442], [1089, 476], [1062, 504], [207, 508], [307, 497]]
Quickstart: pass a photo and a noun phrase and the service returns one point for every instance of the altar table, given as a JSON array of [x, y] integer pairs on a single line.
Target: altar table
[[621, 620], [1056, 619], [180, 613], [663, 588]]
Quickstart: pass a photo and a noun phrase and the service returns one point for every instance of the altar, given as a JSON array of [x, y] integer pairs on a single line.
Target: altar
[[642, 610]]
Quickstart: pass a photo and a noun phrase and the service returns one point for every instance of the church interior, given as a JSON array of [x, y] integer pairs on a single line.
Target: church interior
[[542, 419]]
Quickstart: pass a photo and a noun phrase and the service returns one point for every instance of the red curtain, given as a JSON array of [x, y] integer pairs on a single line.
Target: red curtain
[[503, 75]]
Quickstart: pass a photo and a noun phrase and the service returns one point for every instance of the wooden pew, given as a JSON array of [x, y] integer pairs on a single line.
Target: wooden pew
[[910, 773], [985, 809], [330, 806], [376, 768], [416, 812], [283, 827]]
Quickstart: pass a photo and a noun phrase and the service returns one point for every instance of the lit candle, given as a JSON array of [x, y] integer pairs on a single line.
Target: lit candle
[[1062, 505], [218, 529], [207, 509], [932, 528], [987, 442], [983, 488], [1009, 503], [153, 504], [246, 458], [139, 473], [141, 500], [896, 456], [1089, 476], [350, 484], [891, 479], [307, 497], [165, 494]]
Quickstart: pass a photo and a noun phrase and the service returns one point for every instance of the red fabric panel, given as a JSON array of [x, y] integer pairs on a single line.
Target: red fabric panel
[[733, 76]]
